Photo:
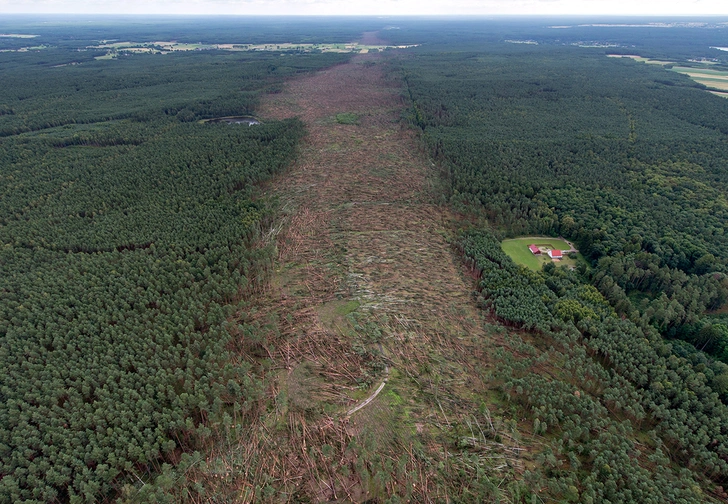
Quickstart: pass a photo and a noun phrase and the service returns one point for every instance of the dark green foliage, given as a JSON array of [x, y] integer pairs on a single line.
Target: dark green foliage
[[556, 140], [629, 161], [188, 85], [687, 38], [118, 277], [625, 378], [626, 159], [128, 237]]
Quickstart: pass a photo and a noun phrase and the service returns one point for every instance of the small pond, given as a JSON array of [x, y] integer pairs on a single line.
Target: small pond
[[247, 120]]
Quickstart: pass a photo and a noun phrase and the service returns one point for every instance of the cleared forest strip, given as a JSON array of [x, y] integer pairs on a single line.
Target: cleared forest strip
[[367, 291]]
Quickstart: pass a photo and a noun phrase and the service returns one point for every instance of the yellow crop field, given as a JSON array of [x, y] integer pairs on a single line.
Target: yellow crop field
[[715, 79], [640, 59], [712, 78]]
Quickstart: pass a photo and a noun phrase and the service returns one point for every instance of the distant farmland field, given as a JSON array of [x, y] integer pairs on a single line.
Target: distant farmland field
[[712, 78]]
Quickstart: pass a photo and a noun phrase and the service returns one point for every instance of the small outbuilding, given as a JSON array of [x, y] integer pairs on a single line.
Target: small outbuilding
[[534, 250], [555, 254]]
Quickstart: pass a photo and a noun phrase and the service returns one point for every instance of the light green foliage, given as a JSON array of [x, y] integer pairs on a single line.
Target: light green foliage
[[347, 118], [517, 249], [572, 310]]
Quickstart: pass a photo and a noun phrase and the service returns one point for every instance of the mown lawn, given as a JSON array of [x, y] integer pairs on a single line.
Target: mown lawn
[[517, 249]]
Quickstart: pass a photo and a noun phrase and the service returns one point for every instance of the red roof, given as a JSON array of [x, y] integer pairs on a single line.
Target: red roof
[[534, 249], [555, 253]]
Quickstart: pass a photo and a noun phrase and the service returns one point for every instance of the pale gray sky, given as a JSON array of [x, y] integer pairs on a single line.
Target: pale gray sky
[[371, 7]]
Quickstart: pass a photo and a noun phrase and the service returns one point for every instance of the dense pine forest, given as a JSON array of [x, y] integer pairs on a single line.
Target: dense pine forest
[[133, 234], [627, 160], [129, 233], [630, 162]]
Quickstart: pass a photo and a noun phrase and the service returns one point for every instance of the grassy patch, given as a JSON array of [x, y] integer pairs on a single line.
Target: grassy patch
[[333, 315], [713, 83], [517, 249], [641, 59], [347, 118], [716, 79], [347, 308], [700, 71]]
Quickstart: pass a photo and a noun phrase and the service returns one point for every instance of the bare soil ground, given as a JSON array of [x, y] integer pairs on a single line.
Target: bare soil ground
[[366, 281]]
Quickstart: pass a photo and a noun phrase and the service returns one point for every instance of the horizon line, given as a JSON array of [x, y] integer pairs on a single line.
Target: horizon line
[[339, 15]]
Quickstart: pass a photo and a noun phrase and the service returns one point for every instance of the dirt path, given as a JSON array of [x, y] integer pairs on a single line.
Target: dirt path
[[367, 292]]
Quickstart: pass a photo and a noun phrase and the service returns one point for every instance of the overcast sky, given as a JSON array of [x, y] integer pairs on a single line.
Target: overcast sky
[[371, 7]]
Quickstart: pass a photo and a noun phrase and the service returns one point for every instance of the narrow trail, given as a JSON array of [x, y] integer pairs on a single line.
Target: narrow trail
[[372, 307], [374, 394]]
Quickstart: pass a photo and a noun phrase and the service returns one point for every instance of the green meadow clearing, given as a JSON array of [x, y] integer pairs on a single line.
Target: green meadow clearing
[[517, 249], [640, 59], [716, 79]]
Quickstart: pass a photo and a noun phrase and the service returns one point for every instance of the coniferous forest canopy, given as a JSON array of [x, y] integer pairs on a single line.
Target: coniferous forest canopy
[[131, 231], [630, 162], [129, 234]]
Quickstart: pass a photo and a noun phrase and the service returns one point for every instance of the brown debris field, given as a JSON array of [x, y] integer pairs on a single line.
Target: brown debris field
[[366, 289]]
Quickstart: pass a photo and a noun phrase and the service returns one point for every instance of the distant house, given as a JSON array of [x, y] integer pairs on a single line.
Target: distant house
[[555, 254], [534, 250]]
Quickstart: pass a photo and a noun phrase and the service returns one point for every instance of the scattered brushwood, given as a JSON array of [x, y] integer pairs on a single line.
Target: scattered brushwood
[[366, 306]]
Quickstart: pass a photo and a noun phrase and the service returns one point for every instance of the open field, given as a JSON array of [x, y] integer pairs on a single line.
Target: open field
[[716, 79], [17, 35], [164, 47], [517, 249], [714, 83], [712, 78], [25, 49], [700, 71], [640, 59]]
